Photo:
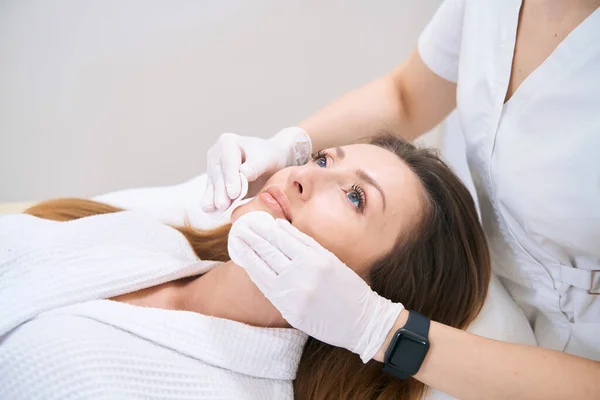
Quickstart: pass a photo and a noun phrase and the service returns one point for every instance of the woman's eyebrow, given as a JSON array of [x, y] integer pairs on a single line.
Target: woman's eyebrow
[[368, 179]]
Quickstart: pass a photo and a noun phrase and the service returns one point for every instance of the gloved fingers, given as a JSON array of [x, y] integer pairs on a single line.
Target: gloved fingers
[[287, 244], [243, 255], [270, 254], [256, 163], [222, 200], [299, 236], [208, 199], [249, 171], [231, 160], [250, 228]]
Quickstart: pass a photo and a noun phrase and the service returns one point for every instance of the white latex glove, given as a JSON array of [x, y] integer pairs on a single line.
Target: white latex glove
[[312, 289], [253, 157]]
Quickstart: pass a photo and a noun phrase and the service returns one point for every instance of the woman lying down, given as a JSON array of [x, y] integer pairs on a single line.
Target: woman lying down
[[118, 305]]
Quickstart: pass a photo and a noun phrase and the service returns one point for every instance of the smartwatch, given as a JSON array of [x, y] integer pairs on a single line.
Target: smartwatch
[[408, 348]]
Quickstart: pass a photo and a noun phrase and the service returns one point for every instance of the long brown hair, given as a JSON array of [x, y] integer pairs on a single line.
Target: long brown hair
[[441, 269]]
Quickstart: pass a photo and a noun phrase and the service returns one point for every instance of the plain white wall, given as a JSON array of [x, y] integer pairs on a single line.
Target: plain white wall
[[100, 95]]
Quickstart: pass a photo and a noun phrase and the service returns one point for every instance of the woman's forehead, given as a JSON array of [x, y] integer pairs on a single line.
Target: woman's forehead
[[379, 163]]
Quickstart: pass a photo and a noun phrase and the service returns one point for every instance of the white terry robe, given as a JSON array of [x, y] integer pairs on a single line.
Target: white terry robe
[[60, 340]]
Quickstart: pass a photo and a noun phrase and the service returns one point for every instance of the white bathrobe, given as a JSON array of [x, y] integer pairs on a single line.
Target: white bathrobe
[[68, 344], [60, 340]]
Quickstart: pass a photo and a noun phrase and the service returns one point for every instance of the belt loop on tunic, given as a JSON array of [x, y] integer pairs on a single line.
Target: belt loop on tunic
[[588, 280]]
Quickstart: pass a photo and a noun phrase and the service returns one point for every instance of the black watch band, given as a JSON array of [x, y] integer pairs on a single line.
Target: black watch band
[[409, 347]]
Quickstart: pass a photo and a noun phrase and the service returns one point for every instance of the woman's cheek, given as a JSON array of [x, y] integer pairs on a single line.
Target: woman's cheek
[[327, 227], [335, 232]]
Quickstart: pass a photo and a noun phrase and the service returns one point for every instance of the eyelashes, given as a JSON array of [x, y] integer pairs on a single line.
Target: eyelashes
[[356, 194], [320, 155], [360, 196]]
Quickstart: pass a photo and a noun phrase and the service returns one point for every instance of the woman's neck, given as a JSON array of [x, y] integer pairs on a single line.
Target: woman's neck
[[226, 291]]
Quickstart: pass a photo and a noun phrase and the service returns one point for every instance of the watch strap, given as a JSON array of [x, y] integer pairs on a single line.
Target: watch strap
[[415, 330], [418, 323]]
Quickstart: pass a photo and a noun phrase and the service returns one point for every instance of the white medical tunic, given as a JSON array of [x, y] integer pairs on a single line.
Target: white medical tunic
[[535, 162]]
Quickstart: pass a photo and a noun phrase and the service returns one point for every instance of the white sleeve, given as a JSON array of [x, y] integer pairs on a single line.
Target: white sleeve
[[440, 42], [168, 204]]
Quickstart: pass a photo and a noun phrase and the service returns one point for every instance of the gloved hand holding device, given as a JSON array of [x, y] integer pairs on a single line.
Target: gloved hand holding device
[[253, 157], [314, 291]]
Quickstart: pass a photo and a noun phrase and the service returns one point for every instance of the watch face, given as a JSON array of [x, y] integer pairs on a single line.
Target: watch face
[[409, 352]]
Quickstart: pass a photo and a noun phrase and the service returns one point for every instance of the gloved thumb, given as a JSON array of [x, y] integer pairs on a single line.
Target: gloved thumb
[[252, 169], [249, 172], [231, 158]]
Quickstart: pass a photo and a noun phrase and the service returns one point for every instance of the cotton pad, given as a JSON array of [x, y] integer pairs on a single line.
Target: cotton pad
[[225, 217]]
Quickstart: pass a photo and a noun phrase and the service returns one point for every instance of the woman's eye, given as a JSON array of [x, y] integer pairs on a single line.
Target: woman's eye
[[320, 158], [357, 197], [354, 199]]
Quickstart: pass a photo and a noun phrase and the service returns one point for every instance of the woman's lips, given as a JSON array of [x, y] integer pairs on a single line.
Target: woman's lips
[[277, 201]]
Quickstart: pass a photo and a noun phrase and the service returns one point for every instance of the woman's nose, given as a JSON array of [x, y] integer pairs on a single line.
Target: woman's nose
[[301, 180]]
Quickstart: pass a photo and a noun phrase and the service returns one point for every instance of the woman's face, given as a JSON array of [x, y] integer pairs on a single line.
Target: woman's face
[[354, 200]]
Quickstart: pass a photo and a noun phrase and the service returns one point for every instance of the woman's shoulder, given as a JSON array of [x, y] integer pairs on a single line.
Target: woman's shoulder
[[45, 264], [19, 231], [126, 229], [17, 222]]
